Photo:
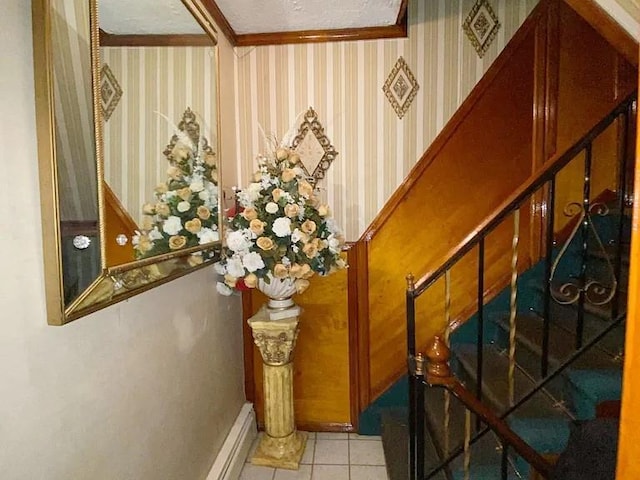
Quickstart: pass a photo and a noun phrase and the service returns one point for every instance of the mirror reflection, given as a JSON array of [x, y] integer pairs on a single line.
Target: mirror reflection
[[160, 125]]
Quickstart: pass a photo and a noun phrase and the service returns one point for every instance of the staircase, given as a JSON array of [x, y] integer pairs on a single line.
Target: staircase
[[543, 355]]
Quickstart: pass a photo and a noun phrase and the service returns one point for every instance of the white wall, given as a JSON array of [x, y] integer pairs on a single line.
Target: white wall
[[146, 389]]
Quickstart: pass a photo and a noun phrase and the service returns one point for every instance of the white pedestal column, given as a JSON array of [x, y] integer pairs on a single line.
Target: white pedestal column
[[281, 445]]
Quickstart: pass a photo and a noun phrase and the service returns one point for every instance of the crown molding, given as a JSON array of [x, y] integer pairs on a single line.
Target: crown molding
[[398, 30], [182, 40]]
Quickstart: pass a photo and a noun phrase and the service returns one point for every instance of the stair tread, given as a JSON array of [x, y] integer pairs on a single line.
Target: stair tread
[[495, 386], [529, 330]]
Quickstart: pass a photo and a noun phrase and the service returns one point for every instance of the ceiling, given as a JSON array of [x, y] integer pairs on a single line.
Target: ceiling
[[269, 16], [254, 22]]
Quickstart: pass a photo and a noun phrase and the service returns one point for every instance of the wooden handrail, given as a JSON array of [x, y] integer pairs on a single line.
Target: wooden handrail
[[553, 166], [500, 427]]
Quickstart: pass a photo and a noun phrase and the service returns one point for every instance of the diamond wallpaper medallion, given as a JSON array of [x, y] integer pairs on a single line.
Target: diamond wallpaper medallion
[[481, 26], [401, 87], [110, 91]]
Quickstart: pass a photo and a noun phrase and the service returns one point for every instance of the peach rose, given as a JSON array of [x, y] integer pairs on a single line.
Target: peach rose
[[180, 152], [194, 260], [161, 188], [305, 189], [144, 244], [249, 213], [251, 280], [148, 209], [203, 212], [291, 210], [174, 172], [230, 280], [310, 250], [282, 153], [306, 271], [256, 226], [288, 175], [301, 285], [294, 159], [163, 209], [265, 243], [295, 271], [193, 226], [309, 226], [213, 175], [276, 194], [257, 176], [184, 193], [323, 210], [280, 271], [147, 222], [177, 241]]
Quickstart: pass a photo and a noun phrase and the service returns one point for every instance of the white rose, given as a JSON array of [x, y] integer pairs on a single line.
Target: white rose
[[235, 268], [220, 268], [334, 243], [203, 195], [207, 235], [237, 242], [223, 289], [252, 262], [155, 234], [282, 227], [196, 186], [183, 206], [272, 208], [172, 225]]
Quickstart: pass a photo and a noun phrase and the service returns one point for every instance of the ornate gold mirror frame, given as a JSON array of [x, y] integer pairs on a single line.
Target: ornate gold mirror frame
[[113, 283]]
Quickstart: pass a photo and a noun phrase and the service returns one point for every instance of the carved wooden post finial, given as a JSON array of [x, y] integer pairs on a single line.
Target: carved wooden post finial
[[411, 285], [438, 355]]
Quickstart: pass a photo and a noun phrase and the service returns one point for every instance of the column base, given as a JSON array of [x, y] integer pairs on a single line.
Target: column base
[[283, 452]]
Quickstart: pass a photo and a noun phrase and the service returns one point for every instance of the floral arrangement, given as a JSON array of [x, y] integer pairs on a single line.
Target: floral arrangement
[[185, 211], [280, 231]]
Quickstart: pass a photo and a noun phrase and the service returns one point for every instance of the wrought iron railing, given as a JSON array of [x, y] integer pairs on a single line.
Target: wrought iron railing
[[578, 289]]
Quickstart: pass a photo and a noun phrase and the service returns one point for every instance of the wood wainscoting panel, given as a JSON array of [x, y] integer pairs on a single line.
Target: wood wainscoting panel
[[485, 159], [322, 385]]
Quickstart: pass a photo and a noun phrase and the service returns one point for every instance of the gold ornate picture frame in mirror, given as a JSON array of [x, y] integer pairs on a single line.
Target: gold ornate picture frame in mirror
[[314, 147], [77, 203]]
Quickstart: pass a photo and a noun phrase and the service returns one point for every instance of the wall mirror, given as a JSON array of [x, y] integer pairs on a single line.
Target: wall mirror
[[127, 117]]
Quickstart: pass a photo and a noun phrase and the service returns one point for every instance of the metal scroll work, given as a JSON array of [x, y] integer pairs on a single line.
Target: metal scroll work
[[594, 291]]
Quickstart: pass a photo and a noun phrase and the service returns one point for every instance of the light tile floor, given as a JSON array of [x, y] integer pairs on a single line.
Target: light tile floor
[[329, 456]]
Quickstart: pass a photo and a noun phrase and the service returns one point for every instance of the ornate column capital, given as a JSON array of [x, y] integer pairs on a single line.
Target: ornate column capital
[[276, 339]]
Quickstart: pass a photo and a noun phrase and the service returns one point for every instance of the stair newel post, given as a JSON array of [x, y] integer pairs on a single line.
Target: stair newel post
[[416, 390], [586, 205]]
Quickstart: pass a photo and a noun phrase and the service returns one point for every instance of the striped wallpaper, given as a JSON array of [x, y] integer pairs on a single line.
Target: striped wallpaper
[[75, 148], [154, 79], [343, 82]]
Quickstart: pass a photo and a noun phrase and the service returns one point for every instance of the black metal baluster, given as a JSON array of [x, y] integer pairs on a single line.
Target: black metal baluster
[[504, 464], [546, 320], [416, 391], [586, 204], [480, 339], [623, 140]]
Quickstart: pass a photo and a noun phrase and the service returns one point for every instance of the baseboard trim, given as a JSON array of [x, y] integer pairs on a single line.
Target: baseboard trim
[[233, 453]]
